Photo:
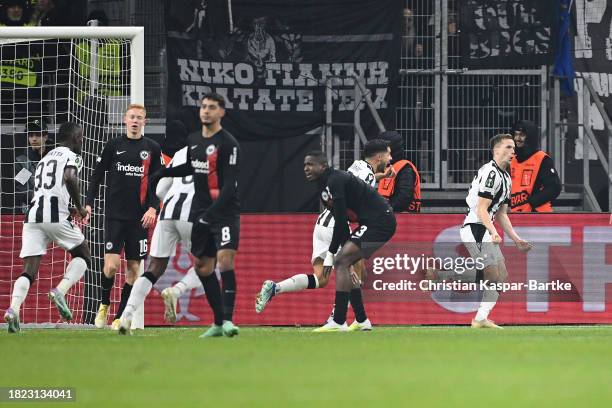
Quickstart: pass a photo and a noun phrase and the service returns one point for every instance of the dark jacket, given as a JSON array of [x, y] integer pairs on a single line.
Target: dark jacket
[[24, 192], [403, 193]]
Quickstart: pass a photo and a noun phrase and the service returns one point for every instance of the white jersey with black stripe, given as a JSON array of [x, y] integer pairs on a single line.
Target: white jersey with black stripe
[[493, 183], [178, 199], [359, 168], [51, 198]]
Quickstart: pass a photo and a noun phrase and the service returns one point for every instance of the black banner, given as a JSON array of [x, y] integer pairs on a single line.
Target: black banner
[[271, 59], [591, 34], [508, 33]]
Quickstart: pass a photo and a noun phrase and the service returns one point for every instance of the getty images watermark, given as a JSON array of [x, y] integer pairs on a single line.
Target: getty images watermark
[[456, 269]]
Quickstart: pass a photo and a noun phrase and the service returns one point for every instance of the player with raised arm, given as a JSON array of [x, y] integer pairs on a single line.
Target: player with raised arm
[[213, 160], [488, 200], [345, 194], [377, 155], [48, 220], [130, 206]]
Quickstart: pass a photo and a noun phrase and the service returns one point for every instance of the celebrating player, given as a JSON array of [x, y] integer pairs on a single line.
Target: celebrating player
[[130, 207], [213, 160], [48, 220], [488, 199], [377, 157], [342, 193]]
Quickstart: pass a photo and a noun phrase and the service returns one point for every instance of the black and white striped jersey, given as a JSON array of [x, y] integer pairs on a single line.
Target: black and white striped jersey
[[493, 183], [178, 199], [359, 168], [51, 198]]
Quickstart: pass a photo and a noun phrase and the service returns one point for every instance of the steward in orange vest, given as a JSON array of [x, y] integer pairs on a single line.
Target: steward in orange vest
[[403, 189], [535, 183]]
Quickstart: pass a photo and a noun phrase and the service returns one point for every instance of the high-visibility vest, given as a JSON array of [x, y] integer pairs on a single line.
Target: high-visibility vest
[[108, 65], [524, 175], [386, 186]]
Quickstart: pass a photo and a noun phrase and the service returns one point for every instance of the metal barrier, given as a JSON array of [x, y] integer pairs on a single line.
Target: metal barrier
[[588, 138], [447, 113]]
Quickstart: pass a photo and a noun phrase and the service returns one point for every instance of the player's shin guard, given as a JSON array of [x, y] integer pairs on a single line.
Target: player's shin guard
[[140, 290], [125, 295], [107, 285], [74, 271], [342, 299], [20, 291], [357, 305], [228, 278], [213, 295]]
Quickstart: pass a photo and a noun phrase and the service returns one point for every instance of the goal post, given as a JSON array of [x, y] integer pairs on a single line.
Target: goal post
[[134, 34], [84, 74]]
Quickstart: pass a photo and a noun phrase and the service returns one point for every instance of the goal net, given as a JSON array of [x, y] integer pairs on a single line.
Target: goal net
[[50, 75]]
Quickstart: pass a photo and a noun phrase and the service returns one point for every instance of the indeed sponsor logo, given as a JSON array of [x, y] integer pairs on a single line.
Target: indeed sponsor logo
[[130, 168], [200, 166]]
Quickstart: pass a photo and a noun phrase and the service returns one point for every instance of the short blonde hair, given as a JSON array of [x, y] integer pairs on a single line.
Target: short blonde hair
[[497, 139], [136, 106]]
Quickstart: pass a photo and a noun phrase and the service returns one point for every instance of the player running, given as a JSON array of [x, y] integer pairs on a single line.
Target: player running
[[48, 220], [488, 200], [377, 157]]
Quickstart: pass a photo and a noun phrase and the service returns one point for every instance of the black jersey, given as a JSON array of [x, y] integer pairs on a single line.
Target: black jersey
[[349, 198], [129, 162], [213, 161]]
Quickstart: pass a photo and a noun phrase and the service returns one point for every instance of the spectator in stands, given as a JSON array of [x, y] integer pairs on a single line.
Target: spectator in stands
[[15, 13], [403, 187], [409, 34], [48, 13], [25, 164], [97, 18], [535, 182]]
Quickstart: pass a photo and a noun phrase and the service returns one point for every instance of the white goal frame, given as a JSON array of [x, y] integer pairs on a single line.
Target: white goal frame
[[134, 34], [137, 74]]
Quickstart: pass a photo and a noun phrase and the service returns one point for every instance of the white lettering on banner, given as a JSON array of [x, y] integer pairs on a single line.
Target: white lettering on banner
[[245, 93], [587, 12], [602, 82], [538, 259], [596, 273]]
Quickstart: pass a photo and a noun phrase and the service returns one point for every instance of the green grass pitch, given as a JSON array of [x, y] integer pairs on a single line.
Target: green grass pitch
[[551, 366]]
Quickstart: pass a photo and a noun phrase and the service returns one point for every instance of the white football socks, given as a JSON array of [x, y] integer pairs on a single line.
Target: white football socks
[[489, 298], [190, 281], [74, 271], [140, 290], [293, 284], [20, 291]]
